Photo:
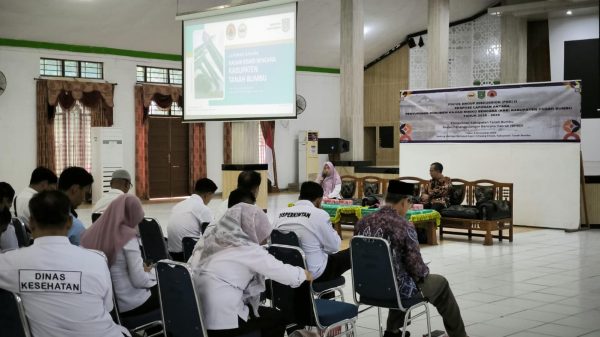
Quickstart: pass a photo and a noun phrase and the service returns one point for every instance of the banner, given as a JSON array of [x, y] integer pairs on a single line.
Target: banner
[[537, 112]]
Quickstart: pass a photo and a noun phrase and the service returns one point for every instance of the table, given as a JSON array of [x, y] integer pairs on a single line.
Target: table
[[342, 214]]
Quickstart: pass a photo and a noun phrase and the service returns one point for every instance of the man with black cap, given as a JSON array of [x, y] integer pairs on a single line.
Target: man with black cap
[[120, 183], [390, 223]]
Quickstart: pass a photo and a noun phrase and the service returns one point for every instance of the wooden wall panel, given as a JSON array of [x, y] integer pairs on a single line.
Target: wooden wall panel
[[593, 203], [383, 82]]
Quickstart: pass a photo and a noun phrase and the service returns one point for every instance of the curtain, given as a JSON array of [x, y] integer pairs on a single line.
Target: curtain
[[268, 131], [197, 145], [72, 135], [142, 188], [45, 127], [100, 112], [97, 98], [164, 96], [227, 140]]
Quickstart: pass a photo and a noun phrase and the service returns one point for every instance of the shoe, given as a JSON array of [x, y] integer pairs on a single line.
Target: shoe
[[395, 334]]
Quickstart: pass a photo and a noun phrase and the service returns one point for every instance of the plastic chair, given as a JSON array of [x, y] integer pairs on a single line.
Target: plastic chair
[[299, 305], [21, 232], [95, 216], [319, 288], [372, 256], [154, 247], [203, 227], [180, 309], [188, 243], [133, 323], [13, 321]]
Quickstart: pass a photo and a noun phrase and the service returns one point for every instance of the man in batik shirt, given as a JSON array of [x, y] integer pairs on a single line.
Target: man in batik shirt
[[437, 195], [411, 272]]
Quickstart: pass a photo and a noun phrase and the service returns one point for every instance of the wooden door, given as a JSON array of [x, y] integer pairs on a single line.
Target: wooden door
[[159, 168], [179, 158], [168, 160]]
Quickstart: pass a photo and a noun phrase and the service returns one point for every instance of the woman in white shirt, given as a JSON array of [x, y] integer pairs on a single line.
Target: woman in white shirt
[[115, 234], [230, 268]]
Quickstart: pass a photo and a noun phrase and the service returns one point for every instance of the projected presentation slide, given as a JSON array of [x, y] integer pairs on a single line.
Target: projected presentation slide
[[241, 65]]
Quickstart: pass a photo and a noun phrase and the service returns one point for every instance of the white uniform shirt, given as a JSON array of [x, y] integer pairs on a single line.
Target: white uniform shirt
[[186, 219], [106, 199], [130, 280], [8, 239], [222, 209], [22, 203], [314, 230], [66, 290], [220, 283]]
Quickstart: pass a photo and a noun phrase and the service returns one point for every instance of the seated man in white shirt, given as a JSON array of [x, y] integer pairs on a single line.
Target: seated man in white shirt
[[120, 183], [42, 179], [66, 290], [8, 237], [76, 183], [248, 180], [319, 241], [188, 215]]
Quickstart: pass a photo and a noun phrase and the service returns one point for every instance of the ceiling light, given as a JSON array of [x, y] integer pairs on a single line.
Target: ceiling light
[[411, 42], [569, 12], [421, 43]]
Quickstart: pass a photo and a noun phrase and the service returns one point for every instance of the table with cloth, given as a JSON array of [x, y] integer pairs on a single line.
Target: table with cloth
[[349, 214]]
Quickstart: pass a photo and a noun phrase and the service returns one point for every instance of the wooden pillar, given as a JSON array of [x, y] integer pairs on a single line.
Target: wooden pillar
[[352, 77], [438, 35]]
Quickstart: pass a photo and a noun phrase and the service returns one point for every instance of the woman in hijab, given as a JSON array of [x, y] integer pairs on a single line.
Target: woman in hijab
[[229, 269], [115, 234], [330, 181]]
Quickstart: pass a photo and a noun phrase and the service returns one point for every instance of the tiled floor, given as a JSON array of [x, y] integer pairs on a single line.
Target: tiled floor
[[545, 283]]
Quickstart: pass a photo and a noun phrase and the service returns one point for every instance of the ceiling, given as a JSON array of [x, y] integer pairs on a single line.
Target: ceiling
[[151, 26]]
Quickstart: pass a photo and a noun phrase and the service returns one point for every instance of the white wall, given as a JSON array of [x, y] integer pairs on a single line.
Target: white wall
[[17, 105], [546, 186], [569, 29], [322, 94], [18, 113]]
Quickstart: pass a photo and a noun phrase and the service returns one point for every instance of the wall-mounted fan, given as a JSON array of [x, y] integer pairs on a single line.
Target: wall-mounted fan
[[300, 107], [300, 104], [2, 82]]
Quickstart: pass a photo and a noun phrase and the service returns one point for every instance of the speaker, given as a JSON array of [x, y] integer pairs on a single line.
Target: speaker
[[333, 145]]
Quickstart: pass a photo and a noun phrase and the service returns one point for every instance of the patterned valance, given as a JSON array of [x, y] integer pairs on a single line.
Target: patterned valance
[[150, 90], [77, 89]]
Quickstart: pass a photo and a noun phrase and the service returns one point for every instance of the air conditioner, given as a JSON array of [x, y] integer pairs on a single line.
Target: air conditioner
[[308, 156], [107, 157]]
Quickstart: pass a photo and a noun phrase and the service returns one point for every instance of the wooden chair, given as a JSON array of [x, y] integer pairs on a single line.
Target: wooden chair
[[496, 191], [420, 184], [350, 187], [372, 185]]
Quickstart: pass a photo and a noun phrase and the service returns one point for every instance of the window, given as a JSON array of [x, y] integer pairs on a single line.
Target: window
[[174, 110], [71, 68], [72, 140], [159, 75]]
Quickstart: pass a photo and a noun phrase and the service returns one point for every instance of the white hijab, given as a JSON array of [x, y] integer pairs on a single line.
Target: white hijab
[[242, 225]]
